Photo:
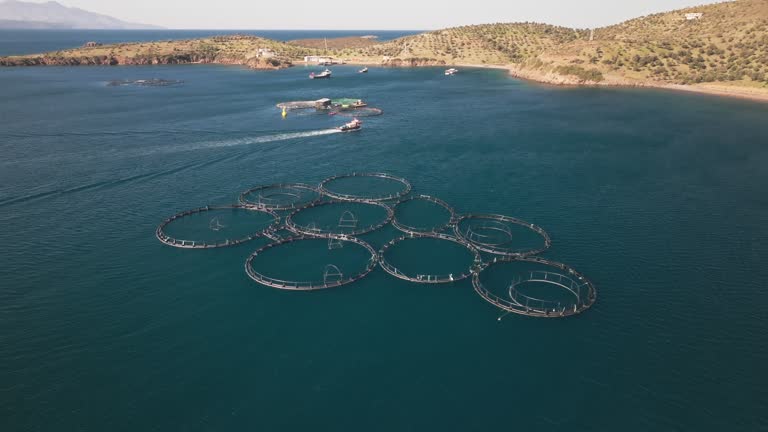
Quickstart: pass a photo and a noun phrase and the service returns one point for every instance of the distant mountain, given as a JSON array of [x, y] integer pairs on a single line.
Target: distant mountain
[[17, 14]]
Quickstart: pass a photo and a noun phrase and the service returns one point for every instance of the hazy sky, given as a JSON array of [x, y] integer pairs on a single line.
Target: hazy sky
[[370, 15]]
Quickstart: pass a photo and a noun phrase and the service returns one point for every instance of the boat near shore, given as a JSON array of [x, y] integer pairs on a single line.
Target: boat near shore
[[451, 71], [363, 70], [324, 74]]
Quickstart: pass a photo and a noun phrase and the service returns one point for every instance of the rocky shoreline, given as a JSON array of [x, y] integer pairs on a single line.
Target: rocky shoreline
[[552, 78], [107, 60], [530, 74]]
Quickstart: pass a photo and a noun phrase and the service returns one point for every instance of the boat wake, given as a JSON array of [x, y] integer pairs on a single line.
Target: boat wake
[[248, 140], [6, 201]]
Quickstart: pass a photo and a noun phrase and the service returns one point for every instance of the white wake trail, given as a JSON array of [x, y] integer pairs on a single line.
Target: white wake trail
[[254, 140]]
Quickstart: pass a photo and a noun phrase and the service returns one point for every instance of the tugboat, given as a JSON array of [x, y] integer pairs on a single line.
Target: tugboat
[[354, 125], [451, 71], [324, 74], [363, 70]]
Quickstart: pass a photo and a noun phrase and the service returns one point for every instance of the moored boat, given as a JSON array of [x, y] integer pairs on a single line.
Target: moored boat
[[451, 71], [324, 74], [363, 70]]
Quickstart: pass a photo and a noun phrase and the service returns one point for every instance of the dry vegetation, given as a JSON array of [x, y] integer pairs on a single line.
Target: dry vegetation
[[233, 49], [480, 44], [728, 45], [335, 43]]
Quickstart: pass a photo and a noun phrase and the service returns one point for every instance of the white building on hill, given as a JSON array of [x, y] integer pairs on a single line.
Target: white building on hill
[[693, 16]]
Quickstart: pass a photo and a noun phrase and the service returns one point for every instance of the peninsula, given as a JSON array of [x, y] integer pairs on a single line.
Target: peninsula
[[719, 48]]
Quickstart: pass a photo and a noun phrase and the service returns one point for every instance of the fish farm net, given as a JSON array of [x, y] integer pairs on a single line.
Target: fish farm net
[[358, 112], [307, 264], [429, 258], [534, 286], [212, 227], [339, 217], [423, 214], [502, 235], [316, 245], [281, 196], [365, 187]]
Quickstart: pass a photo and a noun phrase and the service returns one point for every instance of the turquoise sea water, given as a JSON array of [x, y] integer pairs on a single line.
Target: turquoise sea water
[[658, 197]]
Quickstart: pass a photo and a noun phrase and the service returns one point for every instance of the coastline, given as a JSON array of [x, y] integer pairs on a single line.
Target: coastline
[[556, 80], [532, 75], [712, 89]]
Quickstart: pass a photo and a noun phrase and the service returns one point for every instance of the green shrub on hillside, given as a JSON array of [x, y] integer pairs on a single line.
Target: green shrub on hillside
[[592, 75]]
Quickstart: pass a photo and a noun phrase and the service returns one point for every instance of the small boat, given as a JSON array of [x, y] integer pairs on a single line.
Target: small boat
[[451, 71], [363, 70], [354, 125], [359, 104], [324, 74]]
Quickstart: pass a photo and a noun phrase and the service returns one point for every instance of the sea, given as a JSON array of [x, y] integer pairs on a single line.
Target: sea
[[658, 197]]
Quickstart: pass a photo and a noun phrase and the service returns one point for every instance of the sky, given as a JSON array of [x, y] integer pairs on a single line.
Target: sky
[[371, 15]]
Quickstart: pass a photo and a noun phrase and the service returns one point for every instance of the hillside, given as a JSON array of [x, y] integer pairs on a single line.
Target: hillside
[[477, 44], [251, 51], [724, 50], [336, 43], [727, 45], [19, 14]]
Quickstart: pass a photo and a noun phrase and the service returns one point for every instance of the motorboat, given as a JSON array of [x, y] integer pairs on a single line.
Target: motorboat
[[363, 70], [354, 125], [451, 71], [324, 74]]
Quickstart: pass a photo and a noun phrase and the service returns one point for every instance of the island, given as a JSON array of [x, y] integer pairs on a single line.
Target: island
[[719, 48]]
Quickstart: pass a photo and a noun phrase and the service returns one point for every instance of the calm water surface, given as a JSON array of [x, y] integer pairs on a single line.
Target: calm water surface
[[659, 197]]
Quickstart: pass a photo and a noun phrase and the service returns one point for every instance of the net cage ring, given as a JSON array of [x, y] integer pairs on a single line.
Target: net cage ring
[[214, 225], [416, 230], [477, 263], [347, 220], [332, 275], [293, 190], [358, 112], [562, 276], [497, 248], [322, 187]]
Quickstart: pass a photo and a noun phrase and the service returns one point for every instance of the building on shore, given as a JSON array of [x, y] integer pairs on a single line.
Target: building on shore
[[265, 53], [92, 44], [319, 59]]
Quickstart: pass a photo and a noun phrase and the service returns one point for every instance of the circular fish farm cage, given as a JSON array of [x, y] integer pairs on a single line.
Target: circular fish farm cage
[[347, 223], [315, 245], [332, 275], [494, 234], [410, 229], [216, 225], [358, 112], [403, 189], [430, 278], [578, 291], [280, 196]]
